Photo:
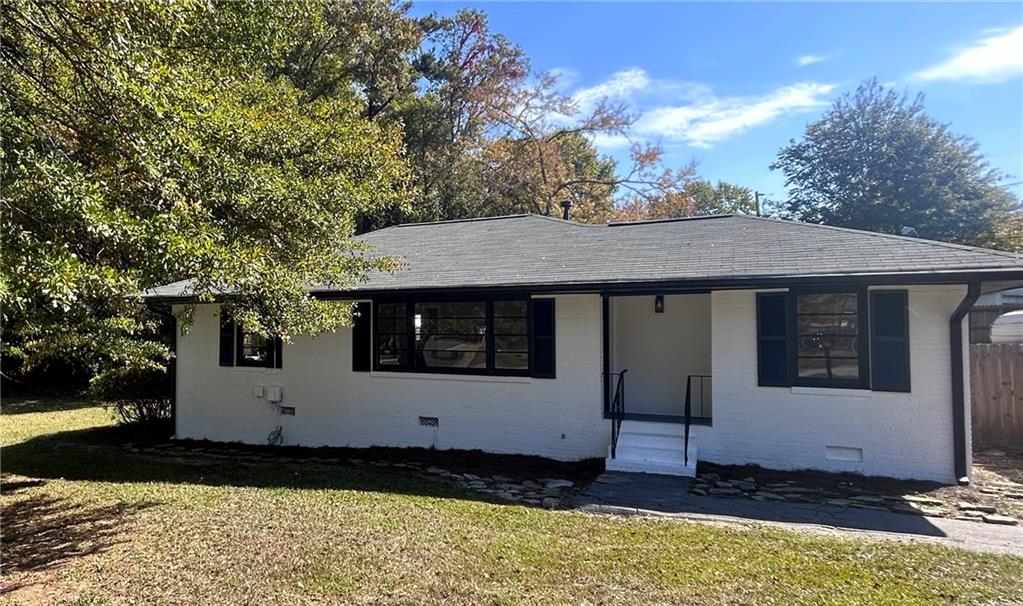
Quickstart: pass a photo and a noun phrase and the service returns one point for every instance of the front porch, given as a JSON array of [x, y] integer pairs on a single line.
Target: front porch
[[657, 352]]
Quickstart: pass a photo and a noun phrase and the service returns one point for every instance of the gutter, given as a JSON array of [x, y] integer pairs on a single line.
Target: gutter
[[962, 470], [652, 287]]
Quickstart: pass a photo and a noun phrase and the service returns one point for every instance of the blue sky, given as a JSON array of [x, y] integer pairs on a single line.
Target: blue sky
[[728, 84]]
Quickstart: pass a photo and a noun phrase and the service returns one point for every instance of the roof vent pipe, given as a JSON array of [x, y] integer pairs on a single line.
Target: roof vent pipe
[[567, 212]]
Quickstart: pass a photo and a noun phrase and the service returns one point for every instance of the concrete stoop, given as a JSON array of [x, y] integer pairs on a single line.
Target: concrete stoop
[[657, 448]]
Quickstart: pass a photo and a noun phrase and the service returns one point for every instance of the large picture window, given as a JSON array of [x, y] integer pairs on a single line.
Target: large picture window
[[486, 336], [451, 335]]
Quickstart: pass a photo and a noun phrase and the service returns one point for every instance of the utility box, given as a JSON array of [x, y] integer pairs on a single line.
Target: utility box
[[274, 393]]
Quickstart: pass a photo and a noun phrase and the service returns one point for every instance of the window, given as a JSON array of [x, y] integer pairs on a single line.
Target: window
[[253, 348], [451, 335], [821, 339], [486, 336], [511, 335], [828, 343], [239, 347], [392, 336]]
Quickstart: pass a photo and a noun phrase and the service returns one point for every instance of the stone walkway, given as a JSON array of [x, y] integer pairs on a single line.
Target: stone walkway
[[993, 497], [645, 494]]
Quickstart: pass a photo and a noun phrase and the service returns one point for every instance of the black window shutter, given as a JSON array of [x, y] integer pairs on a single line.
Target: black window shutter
[[889, 340], [277, 357], [772, 340], [361, 352], [226, 340], [541, 349]]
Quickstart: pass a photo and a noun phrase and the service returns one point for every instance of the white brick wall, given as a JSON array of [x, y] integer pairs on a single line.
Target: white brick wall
[[559, 418], [901, 434]]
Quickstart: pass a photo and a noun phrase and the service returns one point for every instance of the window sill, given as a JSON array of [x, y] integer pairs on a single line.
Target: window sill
[[832, 391], [467, 378], [251, 369]]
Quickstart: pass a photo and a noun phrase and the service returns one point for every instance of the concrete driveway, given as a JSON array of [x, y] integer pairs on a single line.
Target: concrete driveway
[[668, 496]]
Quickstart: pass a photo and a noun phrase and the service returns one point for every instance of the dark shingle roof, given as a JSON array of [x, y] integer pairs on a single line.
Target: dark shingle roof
[[531, 250]]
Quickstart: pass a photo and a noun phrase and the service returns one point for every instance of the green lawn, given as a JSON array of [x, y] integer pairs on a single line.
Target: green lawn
[[85, 522]]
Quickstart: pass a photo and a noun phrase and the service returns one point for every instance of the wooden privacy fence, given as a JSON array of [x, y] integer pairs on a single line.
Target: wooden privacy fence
[[996, 390]]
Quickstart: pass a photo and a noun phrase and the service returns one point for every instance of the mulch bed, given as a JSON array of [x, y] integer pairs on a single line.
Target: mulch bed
[[521, 467]]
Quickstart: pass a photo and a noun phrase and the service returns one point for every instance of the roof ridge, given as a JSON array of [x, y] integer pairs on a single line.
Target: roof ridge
[[563, 221], [465, 220], [496, 218], [878, 234], [670, 220]]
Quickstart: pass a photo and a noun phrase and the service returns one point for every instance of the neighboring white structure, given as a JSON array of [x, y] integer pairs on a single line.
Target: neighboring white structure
[[1008, 328], [573, 342], [1012, 296]]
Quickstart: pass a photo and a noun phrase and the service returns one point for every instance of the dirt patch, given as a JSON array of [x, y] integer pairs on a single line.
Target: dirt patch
[[998, 481]]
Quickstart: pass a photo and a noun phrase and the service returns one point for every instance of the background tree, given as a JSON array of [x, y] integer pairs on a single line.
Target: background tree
[[146, 142], [484, 136], [512, 183], [876, 161], [721, 199], [554, 135], [697, 197]]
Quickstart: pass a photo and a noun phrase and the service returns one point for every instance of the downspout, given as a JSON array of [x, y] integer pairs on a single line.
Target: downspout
[[958, 389]]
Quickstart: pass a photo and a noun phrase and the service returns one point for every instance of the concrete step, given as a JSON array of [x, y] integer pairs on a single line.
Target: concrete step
[[669, 442], [654, 428], [639, 450], [647, 447], [664, 469]]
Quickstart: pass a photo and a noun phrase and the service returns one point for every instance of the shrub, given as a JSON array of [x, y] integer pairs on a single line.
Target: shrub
[[139, 398]]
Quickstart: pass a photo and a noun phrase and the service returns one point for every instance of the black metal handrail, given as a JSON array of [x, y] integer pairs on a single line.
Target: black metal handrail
[[689, 409], [617, 412]]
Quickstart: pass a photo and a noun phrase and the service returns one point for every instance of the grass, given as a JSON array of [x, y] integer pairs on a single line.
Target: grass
[[85, 522]]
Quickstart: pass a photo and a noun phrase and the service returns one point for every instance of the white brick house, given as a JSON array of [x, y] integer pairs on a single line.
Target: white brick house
[[795, 346]]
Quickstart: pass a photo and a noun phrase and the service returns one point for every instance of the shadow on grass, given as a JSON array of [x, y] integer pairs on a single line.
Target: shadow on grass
[[41, 531], [94, 455]]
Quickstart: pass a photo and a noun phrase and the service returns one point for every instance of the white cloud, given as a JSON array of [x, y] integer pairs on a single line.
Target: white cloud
[[674, 111], [621, 85], [804, 60], [567, 77], [608, 142], [712, 119], [995, 58]]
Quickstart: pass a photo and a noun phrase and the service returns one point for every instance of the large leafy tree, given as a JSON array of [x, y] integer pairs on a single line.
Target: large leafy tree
[[877, 161], [145, 142]]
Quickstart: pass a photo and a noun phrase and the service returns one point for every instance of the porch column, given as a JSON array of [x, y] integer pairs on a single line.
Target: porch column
[[605, 301]]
